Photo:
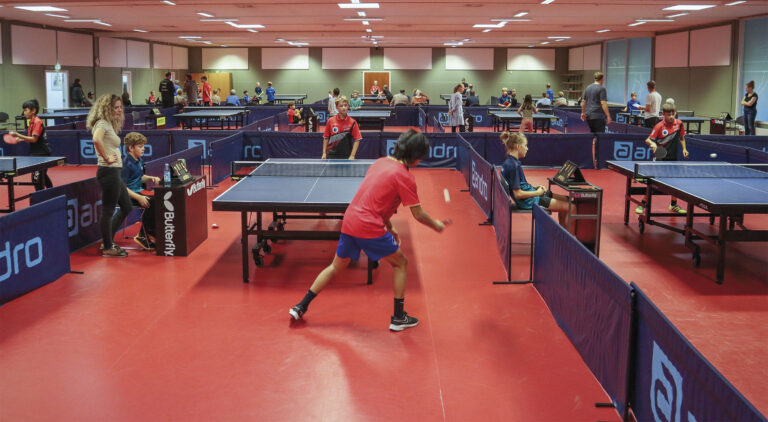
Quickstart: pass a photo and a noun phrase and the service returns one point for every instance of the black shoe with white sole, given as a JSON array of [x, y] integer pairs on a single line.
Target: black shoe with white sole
[[297, 311], [400, 324]]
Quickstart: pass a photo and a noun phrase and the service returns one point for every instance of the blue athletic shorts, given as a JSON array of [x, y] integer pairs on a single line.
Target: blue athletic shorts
[[375, 249]]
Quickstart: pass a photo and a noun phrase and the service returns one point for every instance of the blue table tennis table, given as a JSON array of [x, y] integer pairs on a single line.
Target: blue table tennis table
[[722, 190], [502, 119], [371, 118], [290, 98], [66, 114], [306, 188], [689, 120], [12, 167], [210, 115], [447, 97]]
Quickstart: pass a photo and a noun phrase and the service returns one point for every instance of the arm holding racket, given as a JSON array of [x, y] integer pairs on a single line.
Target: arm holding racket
[[24, 138], [422, 217]]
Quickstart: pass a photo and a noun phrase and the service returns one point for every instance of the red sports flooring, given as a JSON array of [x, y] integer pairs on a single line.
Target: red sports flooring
[[150, 338]]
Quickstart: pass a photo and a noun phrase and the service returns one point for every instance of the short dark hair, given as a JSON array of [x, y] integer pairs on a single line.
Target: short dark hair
[[411, 146], [336, 91], [77, 80], [31, 105], [402, 91], [189, 76], [204, 78], [651, 84], [167, 74]]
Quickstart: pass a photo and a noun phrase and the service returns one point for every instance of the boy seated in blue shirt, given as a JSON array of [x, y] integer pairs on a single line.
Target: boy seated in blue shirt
[[523, 193], [232, 99], [634, 106], [134, 178], [246, 98]]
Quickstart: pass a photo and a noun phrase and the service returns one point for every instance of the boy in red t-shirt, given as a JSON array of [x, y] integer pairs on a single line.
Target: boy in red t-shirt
[[206, 91], [342, 133], [38, 142], [367, 225]]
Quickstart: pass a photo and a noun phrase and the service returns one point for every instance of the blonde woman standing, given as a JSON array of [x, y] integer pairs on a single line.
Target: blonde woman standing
[[105, 120]]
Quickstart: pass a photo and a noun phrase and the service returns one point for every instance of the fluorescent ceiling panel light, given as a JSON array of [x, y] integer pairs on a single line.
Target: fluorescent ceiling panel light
[[547, 1], [224, 45], [279, 40], [170, 3], [734, 3], [655, 20], [510, 20], [102, 23], [190, 37], [689, 7], [677, 15], [364, 19], [41, 8], [489, 25], [205, 15], [368, 30], [604, 30], [139, 30], [82, 20], [53, 15], [636, 24], [531, 46], [361, 13], [377, 36], [252, 30], [487, 30], [220, 20], [520, 14], [366, 23], [545, 42], [559, 37], [247, 26], [359, 5]]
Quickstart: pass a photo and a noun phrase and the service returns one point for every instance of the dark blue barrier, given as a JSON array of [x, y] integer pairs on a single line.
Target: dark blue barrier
[[267, 124], [551, 150], [757, 157], [185, 139], [462, 161], [479, 139], [404, 116], [423, 120], [442, 149], [673, 381], [33, 250], [620, 147], [66, 144], [304, 145], [616, 128], [590, 303], [252, 146], [481, 178], [638, 130], [502, 223], [62, 126], [223, 153], [193, 157], [561, 124], [759, 143], [83, 210], [8, 150], [700, 150], [437, 127], [480, 116], [575, 124], [157, 145]]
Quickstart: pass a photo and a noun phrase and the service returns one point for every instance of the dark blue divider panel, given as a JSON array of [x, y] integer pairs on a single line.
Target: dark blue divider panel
[[252, 146], [480, 116], [404, 116], [561, 123], [261, 112], [575, 124], [590, 303], [193, 157], [462, 161], [638, 130], [551, 150], [616, 128], [291, 145], [423, 120], [757, 157], [65, 143], [83, 210], [157, 145], [626, 147], [502, 223], [757, 142], [266, 124], [185, 139], [34, 250], [478, 140], [63, 126], [700, 150], [223, 153], [19, 149], [673, 381], [442, 148], [481, 179]]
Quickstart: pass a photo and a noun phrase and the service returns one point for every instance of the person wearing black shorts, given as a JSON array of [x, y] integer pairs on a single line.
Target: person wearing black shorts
[[594, 107]]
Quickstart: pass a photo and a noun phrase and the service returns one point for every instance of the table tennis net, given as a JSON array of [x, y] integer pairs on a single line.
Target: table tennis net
[[7, 164], [242, 169], [701, 170]]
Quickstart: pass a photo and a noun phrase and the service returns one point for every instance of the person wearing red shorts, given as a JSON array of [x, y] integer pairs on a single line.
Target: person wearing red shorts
[[367, 225]]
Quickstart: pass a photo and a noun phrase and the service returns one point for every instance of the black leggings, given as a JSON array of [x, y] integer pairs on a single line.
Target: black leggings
[[461, 128], [41, 180], [113, 192]]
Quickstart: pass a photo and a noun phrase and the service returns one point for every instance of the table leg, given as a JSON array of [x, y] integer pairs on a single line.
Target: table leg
[[721, 249], [244, 244], [627, 196]]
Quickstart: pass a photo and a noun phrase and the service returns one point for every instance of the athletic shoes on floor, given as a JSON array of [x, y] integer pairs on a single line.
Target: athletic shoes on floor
[[639, 209], [114, 252], [145, 243], [297, 311], [400, 324], [677, 209]]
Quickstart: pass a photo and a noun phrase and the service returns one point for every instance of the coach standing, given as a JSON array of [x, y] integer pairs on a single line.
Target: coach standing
[[166, 91], [594, 106]]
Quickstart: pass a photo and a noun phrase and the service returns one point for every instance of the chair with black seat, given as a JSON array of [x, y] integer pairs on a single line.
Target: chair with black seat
[[137, 120], [4, 120]]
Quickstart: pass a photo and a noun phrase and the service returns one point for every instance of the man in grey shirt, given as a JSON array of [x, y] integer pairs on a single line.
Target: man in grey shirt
[[190, 88], [399, 98], [652, 106], [594, 107]]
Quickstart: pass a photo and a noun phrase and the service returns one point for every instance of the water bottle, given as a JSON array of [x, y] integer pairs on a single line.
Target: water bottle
[[167, 175]]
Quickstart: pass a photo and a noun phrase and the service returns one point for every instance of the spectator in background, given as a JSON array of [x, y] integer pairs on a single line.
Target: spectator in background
[[232, 99], [544, 101], [387, 93], [419, 98], [215, 98], [633, 106], [179, 100], [355, 103], [469, 89], [332, 95], [76, 94], [126, 99], [505, 100], [152, 99], [464, 83], [190, 89], [652, 106], [206, 91], [375, 88], [513, 98], [90, 98], [750, 108], [472, 99], [246, 98], [293, 115], [270, 93], [550, 93], [456, 109], [560, 101], [176, 84], [399, 99], [257, 93], [167, 90], [594, 108]]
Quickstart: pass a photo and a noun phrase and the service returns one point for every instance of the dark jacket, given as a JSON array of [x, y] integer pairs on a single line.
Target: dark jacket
[[77, 95], [166, 92]]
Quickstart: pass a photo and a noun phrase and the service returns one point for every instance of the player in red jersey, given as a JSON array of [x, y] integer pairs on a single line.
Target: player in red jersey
[[342, 133], [367, 225]]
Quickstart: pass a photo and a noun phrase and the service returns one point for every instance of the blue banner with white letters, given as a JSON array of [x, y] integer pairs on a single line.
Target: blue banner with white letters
[[673, 381], [184, 139], [33, 248], [442, 149], [480, 178], [621, 147], [157, 145], [502, 222]]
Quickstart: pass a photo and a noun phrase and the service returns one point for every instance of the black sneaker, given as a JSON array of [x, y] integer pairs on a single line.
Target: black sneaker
[[297, 311], [144, 243], [400, 324], [114, 252]]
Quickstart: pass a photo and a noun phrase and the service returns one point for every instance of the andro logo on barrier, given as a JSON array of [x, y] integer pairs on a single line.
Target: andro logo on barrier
[[81, 216], [436, 151], [191, 143], [12, 260], [322, 116], [623, 150], [190, 190], [443, 117], [251, 151], [479, 183], [87, 150], [169, 227], [666, 389]]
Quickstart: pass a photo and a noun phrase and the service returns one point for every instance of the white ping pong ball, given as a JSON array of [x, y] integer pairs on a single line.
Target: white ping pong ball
[[713, 155]]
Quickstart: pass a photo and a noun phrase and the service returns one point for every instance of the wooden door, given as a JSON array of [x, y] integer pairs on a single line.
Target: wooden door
[[221, 81], [369, 77]]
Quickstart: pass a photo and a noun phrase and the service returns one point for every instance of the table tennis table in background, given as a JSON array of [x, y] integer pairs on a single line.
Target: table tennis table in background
[[206, 115], [635, 119], [290, 98], [66, 114], [691, 120], [722, 190], [308, 189], [447, 97], [502, 119], [372, 117], [13, 167]]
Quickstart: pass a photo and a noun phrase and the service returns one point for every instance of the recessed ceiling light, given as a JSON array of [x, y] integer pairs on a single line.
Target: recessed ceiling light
[[734, 3], [82, 20], [487, 30], [252, 30], [689, 7], [170, 3], [545, 42], [224, 45], [677, 15], [205, 15], [604, 30], [510, 20], [360, 13], [655, 20], [279, 40], [207, 42], [56, 16], [530, 46], [359, 5], [520, 14], [377, 36], [366, 23], [547, 1], [102, 23], [636, 23], [247, 26], [190, 36], [41, 8], [369, 30], [139, 30], [489, 25], [364, 19], [559, 37], [220, 20]]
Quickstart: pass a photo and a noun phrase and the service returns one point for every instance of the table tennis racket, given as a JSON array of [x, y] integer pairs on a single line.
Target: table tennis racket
[[660, 152], [10, 139]]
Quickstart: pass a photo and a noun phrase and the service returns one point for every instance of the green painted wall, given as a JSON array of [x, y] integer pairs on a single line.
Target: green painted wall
[[316, 82], [705, 90]]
